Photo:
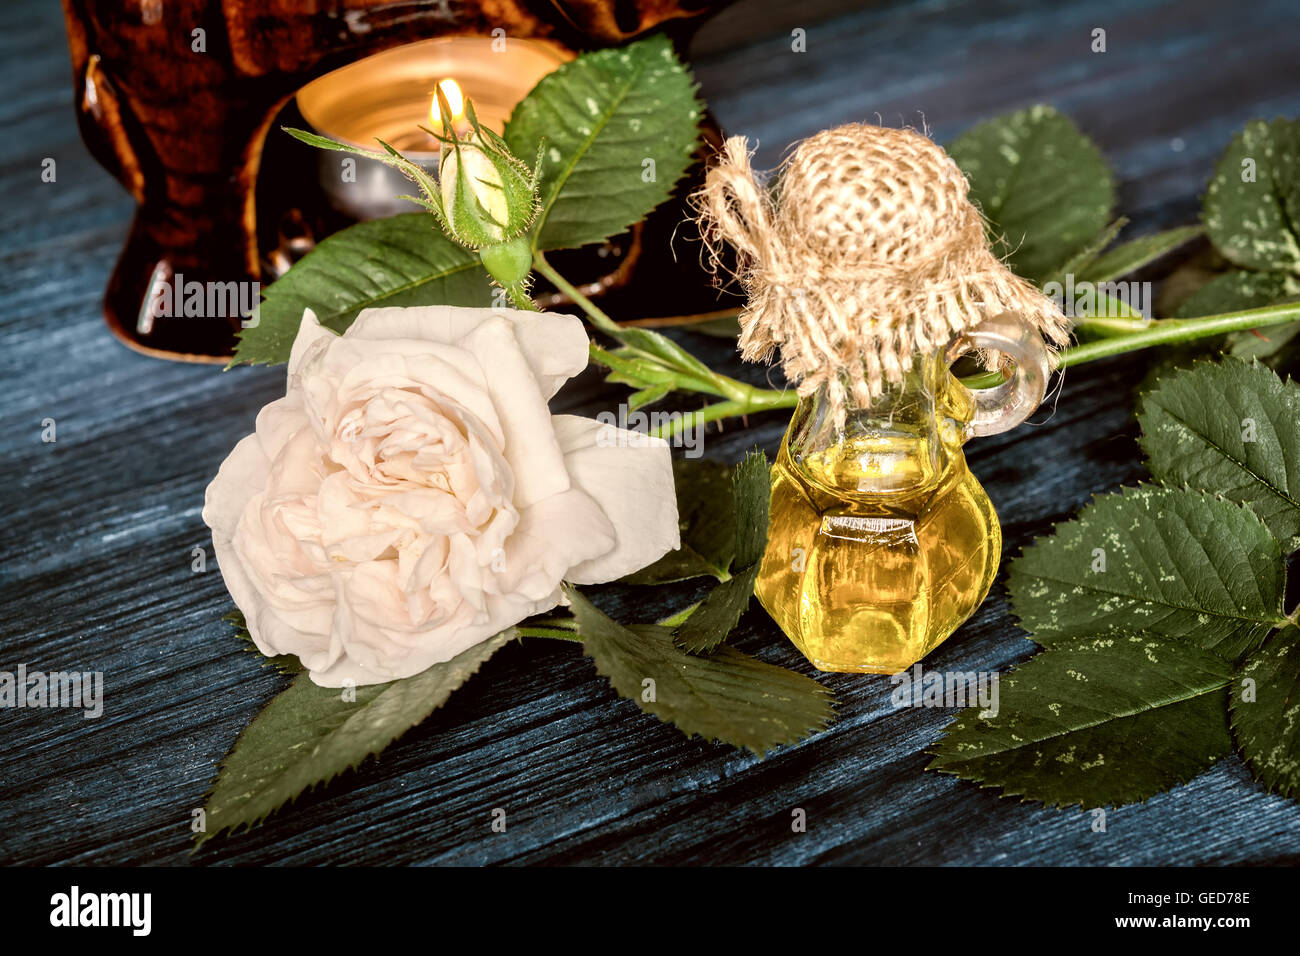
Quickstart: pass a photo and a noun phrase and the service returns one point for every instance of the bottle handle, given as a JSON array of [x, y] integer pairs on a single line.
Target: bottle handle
[[1005, 406]]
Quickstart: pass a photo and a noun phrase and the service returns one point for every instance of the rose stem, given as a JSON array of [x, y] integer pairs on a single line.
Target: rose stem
[[1175, 331], [746, 399]]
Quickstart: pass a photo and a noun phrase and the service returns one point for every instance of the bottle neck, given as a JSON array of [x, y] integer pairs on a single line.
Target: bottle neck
[[904, 443]]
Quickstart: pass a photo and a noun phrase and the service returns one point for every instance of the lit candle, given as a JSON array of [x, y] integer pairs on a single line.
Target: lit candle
[[455, 102], [390, 95]]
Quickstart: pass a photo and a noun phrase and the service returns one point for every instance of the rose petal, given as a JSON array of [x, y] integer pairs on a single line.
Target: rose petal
[[552, 537], [241, 476], [290, 609], [422, 649], [630, 475], [310, 331], [279, 422], [555, 345], [356, 371], [530, 445]]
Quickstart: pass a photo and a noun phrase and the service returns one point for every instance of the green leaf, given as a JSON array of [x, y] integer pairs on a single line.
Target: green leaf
[[404, 260], [666, 352], [1268, 344], [597, 120], [1177, 563], [432, 198], [727, 696], [1133, 255], [648, 396], [708, 526], [646, 370], [1252, 219], [723, 327], [308, 735], [1089, 253], [1237, 291], [630, 367], [1042, 185], [719, 613], [1096, 722], [1095, 303], [1266, 712], [1187, 277], [1232, 429], [752, 486]]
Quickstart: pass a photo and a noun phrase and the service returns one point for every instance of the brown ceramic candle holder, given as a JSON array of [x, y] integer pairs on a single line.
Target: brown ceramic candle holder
[[176, 97]]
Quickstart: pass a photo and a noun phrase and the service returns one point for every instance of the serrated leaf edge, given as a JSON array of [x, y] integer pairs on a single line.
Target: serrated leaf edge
[[233, 829]]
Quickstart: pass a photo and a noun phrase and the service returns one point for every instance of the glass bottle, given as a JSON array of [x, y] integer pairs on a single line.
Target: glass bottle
[[881, 542]]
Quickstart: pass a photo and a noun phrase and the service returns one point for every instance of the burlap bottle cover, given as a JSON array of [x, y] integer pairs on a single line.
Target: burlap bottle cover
[[867, 252]]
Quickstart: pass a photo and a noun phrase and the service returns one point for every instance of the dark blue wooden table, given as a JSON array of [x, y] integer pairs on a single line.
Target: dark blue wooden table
[[98, 526]]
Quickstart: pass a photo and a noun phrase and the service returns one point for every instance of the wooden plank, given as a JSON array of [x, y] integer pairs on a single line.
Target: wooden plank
[[97, 528]]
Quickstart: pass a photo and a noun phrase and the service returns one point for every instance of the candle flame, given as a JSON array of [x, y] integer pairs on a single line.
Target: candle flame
[[455, 99]]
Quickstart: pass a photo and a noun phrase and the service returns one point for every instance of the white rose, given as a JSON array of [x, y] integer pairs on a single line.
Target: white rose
[[412, 495]]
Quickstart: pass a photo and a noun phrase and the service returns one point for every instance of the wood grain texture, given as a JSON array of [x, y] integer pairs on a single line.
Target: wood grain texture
[[97, 528]]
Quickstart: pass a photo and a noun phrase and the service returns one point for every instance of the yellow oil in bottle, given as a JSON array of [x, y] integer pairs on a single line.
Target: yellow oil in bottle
[[881, 542]]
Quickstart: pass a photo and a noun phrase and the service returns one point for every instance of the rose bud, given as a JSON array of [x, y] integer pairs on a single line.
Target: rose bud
[[489, 197]]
